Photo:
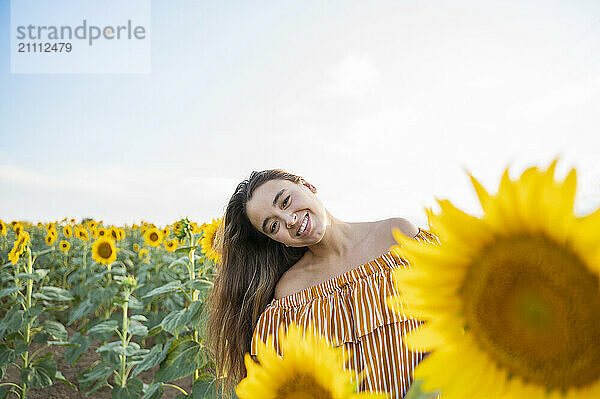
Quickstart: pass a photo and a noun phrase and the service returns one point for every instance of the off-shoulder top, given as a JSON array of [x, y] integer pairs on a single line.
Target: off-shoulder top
[[351, 311]]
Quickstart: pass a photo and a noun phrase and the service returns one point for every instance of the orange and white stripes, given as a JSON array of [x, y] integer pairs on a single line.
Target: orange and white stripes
[[351, 311]]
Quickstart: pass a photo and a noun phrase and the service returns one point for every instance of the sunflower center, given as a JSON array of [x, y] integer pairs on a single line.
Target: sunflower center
[[104, 250], [153, 237], [533, 306], [302, 386]]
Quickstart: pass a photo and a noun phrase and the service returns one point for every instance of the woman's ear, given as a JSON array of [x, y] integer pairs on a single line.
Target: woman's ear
[[310, 186]]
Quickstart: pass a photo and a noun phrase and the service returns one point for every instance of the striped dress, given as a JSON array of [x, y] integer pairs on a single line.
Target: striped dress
[[351, 311]]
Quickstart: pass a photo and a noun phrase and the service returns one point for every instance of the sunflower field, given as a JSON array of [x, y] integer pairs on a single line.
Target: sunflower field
[[121, 308]]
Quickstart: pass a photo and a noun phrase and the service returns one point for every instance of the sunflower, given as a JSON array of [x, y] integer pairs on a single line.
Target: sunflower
[[17, 227], [102, 232], [64, 246], [510, 299], [153, 236], [2, 228], [136, 247], [72, 221], [68, 231], [51, 237], [144, 255], [121, 233], [171, 245], [104, 250], [166, 231], [19, 247], [14, 223], [91, 224], [50, 226], [81, 233], [210, 241], [113, 233], [309, 368]]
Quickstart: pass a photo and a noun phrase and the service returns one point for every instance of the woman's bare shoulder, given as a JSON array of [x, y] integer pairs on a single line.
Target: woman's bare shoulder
[[402, 224]]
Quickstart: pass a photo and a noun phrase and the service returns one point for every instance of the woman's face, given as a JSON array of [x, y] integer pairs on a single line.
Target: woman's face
[[287, 212]]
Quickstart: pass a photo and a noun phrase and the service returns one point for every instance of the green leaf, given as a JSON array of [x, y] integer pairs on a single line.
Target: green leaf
[[99, 372], [169, 287], [199, 284], [100, 330], [204, 387], [54, 294], [40, 373], [8, 291], [7, 355], [29, 276], [73, 353], [153, 358], [139, 317], [55, 329], [60, 377], [94, 278], [132, 390], [175, 321], [135, 304], [81, 310], [185, 249], [137, 328], [415, 392], [185, 355], [117, 347], [184, 261], [154, 391], [103, 294]]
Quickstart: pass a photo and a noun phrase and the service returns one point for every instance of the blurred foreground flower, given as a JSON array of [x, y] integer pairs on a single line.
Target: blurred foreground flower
[[310, 368], [512, 299]]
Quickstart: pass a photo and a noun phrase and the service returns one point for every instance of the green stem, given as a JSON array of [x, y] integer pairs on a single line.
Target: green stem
[[28, 328], [124, 340], [10, 384], [195, 292]]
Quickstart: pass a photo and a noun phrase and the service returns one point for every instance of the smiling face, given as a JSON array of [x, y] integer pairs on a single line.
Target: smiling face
[[287, 212]]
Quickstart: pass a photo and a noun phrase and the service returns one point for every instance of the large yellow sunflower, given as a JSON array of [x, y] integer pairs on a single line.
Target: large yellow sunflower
[[153, 236], [3, 229], [511, 300], [104, 250], [310, 368], [210, 242]]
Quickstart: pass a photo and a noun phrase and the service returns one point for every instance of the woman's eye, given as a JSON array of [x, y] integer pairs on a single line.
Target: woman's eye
[[273, 227], [285, 201]]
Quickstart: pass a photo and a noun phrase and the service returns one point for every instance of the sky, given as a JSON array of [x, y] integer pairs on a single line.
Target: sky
[[384, 106]]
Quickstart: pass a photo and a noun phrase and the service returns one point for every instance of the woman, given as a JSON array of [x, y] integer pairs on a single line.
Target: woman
[[285, 257]]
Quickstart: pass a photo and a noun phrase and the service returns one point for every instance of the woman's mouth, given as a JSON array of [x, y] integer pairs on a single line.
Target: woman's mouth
[[304, 226]]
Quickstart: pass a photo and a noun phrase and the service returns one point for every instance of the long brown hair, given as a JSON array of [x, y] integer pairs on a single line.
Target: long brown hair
[[252, 263]]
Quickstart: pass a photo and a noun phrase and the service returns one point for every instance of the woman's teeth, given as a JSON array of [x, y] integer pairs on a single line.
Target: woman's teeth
[[303, 226]]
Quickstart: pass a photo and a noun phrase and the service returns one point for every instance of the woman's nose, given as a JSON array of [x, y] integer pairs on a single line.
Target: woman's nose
[[291, 220]]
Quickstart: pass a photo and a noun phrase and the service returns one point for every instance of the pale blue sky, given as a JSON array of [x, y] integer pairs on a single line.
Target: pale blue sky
[[380, 104]]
